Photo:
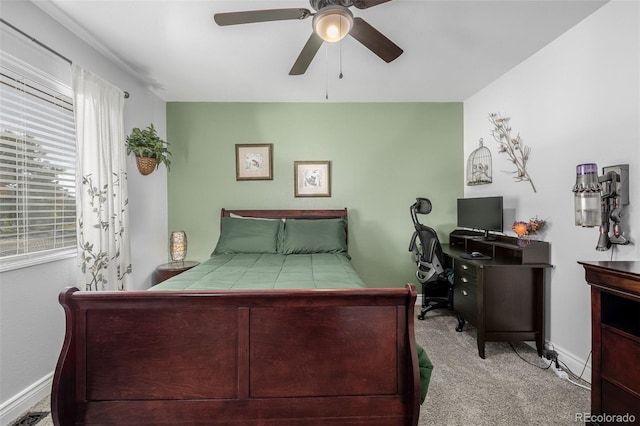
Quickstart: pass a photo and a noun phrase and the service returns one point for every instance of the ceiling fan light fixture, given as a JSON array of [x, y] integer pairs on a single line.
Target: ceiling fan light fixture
[[333, 23]]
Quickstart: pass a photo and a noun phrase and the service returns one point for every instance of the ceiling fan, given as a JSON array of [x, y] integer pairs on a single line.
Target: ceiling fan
[[332, 21]]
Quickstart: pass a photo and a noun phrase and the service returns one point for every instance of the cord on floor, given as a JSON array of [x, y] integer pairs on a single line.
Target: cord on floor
[[527, 361], [564, 368]]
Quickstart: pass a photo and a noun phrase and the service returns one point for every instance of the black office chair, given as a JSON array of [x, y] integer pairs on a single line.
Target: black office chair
[[437, 289]]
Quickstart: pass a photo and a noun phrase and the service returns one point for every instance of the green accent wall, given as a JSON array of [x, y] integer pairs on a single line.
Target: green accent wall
[[383, 156]]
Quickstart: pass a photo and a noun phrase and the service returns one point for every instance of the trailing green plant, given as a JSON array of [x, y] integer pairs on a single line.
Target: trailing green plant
[[147, 143]]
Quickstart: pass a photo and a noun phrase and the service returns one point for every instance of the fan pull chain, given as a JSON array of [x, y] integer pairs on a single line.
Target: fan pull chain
[[326, 61], [326, 77], [340, 75]]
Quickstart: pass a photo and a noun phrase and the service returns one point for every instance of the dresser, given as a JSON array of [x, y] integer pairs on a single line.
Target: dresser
[[502, 292], [615, 339]]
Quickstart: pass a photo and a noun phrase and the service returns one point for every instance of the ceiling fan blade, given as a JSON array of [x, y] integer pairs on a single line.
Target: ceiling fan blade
[[374, 40], [251, 16], [307, 54], [365, 4]]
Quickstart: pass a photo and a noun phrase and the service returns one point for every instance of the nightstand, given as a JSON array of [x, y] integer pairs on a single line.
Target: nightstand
[[171, 269]]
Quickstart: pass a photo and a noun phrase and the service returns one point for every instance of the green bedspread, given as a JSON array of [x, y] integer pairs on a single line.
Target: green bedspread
[[277, 271], [426, 367], [267, 271]]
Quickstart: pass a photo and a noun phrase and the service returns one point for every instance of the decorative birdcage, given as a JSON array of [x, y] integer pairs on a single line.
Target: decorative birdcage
[[479, 166]]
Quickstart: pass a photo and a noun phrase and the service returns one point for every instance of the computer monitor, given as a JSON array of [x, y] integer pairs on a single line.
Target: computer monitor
[[482, 213]]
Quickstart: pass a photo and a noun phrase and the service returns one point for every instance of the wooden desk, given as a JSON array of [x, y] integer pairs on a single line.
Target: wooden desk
[[167, 270], [615, 338], [502, 296]]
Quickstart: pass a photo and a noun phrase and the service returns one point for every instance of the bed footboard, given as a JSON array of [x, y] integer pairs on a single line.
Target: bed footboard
[[308, 357]]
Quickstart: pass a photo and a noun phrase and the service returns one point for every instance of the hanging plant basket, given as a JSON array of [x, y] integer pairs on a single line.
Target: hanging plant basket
[[146, 165], [148, 148]]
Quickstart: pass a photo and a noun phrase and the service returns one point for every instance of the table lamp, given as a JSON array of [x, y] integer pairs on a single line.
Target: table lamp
[[178, 246]]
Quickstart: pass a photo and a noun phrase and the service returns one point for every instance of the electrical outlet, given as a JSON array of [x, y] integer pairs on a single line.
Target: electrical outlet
[[550, 354], [559, 372]]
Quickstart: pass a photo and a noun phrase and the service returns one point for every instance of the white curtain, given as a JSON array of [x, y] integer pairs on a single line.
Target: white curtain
[[101, 182]]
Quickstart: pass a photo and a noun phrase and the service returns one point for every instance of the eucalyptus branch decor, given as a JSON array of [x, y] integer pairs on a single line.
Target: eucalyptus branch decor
[[513, 147]]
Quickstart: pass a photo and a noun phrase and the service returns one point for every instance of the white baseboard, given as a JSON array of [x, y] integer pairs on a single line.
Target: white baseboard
[[22, 402]]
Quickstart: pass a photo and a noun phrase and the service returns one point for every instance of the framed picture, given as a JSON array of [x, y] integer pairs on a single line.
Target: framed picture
[[312, 178], [254, 161]]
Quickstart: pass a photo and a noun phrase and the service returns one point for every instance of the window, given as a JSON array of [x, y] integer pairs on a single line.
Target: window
[[37, 163]]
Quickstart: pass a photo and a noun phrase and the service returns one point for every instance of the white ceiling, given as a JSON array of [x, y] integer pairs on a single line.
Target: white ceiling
[[452, 48]]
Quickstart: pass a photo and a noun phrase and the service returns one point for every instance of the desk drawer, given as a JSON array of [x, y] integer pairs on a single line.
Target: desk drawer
[[465, 273], [465, 302]]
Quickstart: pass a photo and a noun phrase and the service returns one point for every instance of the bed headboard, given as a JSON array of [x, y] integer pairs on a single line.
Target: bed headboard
[[292, 214], [288, 214]]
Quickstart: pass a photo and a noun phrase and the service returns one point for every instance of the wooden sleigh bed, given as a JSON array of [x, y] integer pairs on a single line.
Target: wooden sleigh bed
[[339, 356]]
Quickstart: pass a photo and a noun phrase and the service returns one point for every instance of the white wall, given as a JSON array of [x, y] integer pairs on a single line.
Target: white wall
[[31, 320], [575, 101]]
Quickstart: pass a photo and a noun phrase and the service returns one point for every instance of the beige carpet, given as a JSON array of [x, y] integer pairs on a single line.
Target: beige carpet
[[467, 390], [501, 389]]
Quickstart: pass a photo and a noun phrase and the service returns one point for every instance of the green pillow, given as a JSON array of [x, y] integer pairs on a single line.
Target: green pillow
[[280, 229], [304, 236], [242, 235]]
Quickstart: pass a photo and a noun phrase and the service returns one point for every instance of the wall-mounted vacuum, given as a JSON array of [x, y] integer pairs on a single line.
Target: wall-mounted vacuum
[[599, 200]]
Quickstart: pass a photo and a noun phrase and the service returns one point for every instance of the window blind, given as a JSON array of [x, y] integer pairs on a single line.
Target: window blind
[[37, 162]]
